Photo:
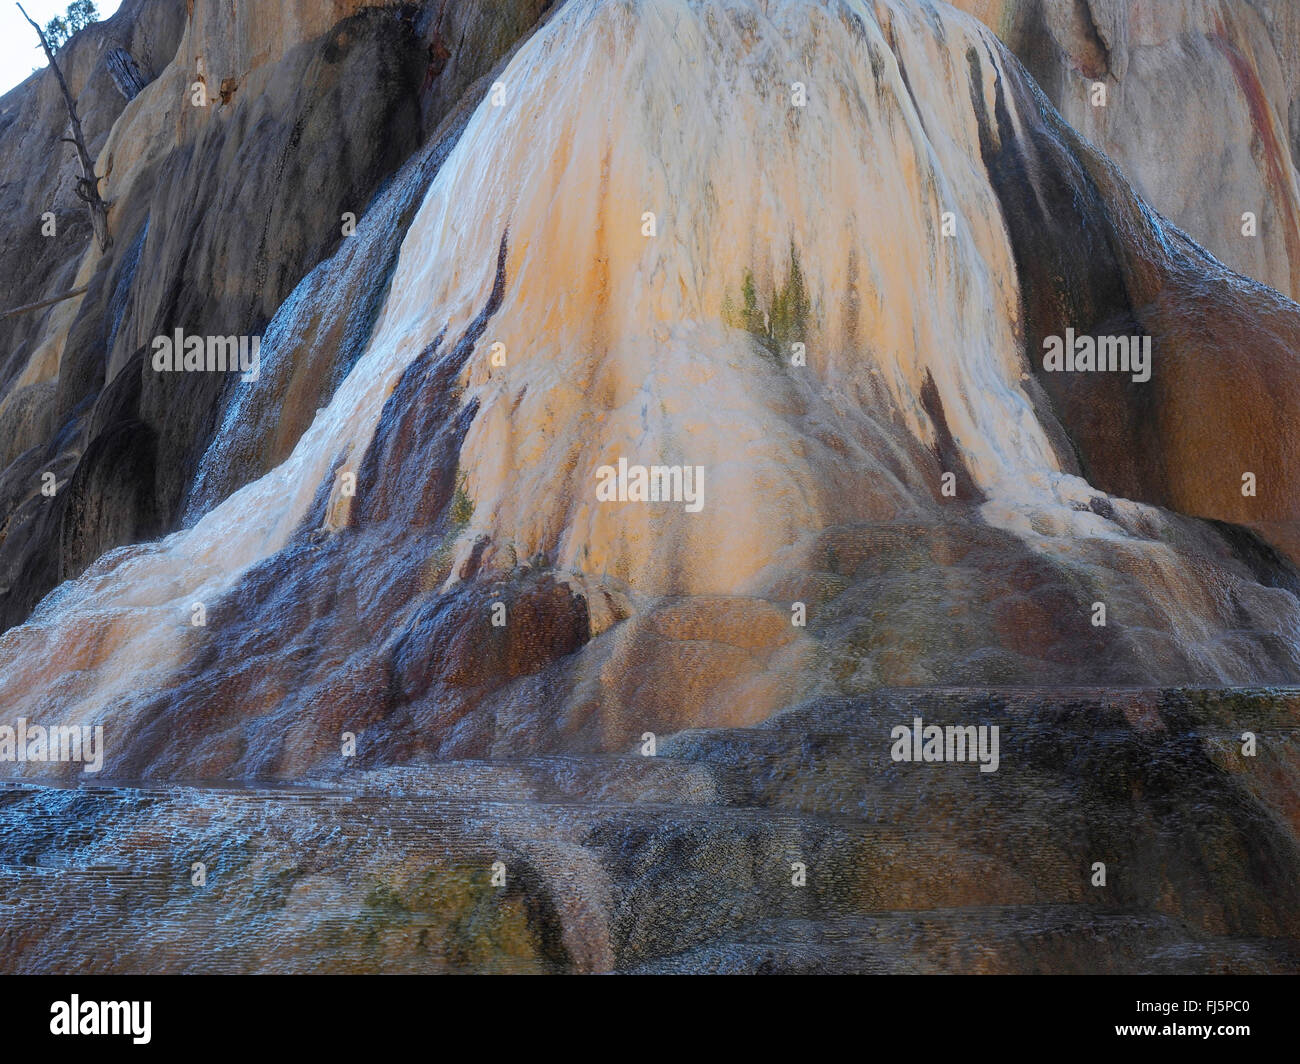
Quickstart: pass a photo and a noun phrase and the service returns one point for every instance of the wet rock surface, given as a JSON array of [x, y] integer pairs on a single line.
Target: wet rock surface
[[598, 233], [683, 861]]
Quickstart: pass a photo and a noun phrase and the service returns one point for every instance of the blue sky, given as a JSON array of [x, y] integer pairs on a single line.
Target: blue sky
[[19, 48]]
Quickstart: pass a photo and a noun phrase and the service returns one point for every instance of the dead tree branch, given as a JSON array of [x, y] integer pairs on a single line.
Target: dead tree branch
[[44, 302], [87, 187]]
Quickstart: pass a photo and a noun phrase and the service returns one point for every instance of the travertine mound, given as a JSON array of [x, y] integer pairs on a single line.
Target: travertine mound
[[877, 188]]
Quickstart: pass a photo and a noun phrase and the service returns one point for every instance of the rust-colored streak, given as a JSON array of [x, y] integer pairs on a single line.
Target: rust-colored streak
[[1276, 161]]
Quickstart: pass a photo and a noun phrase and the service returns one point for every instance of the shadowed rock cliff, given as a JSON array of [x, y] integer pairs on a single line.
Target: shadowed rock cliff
[[303, 117]]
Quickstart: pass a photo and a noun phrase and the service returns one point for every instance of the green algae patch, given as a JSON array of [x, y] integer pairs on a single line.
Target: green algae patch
[[776, 319]]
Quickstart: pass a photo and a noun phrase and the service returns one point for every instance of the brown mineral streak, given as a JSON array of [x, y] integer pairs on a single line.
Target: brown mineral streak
[[1281, 176]]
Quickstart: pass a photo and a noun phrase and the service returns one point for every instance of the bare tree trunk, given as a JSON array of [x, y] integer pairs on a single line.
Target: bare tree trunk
[[87, 186]]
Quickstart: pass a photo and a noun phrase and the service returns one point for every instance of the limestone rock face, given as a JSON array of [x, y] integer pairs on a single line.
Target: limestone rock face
[[220, 207], [1202, 110], [39, 172], [798, 265]]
